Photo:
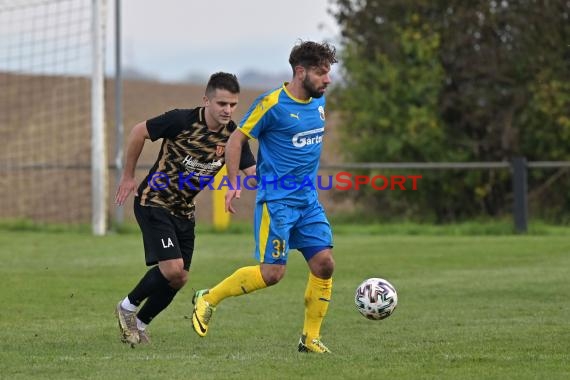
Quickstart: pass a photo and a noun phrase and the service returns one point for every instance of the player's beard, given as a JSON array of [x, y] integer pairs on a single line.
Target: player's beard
[[311, 89]]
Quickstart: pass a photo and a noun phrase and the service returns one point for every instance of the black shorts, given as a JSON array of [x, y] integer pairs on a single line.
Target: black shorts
[[165, 236]]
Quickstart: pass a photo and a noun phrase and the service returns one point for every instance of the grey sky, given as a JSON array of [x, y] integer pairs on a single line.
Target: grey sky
[[172, 38]]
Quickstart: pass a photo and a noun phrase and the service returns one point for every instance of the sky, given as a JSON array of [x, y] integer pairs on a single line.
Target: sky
[[171, 39]]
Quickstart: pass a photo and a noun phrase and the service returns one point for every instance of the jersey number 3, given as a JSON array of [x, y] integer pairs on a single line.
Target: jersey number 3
[[278, 248]]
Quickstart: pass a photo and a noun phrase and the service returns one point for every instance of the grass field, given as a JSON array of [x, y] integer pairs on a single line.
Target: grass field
[[470, 307]]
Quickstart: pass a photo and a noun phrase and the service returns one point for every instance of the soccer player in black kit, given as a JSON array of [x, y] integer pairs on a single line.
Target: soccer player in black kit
[[192, 151]]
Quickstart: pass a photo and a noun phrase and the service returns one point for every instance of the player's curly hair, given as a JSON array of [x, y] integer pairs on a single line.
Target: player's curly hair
[[222, 81], [312, 54]]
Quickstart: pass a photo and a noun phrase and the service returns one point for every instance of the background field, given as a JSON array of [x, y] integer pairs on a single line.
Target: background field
[[471, 307]]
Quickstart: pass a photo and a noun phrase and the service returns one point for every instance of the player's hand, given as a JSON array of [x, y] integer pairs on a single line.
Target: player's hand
[[230, 195], [127, 186]]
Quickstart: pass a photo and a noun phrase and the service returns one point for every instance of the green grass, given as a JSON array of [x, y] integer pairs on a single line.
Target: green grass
[[342, 225], [470, 307]]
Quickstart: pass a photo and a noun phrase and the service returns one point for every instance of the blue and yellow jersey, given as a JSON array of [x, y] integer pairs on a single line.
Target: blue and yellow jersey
[[290, 134]]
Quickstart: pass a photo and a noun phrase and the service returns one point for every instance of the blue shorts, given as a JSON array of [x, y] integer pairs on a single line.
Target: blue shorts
[[279, 227]]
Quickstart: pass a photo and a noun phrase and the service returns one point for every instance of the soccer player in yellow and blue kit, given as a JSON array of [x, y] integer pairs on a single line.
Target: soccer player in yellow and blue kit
[[289, 123]]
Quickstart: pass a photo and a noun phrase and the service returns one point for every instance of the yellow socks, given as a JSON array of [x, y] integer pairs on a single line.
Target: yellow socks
[[248, 279], [317, 299], [242, 281]]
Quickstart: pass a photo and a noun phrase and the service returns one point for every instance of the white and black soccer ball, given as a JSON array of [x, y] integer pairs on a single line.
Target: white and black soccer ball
[[376, 298]]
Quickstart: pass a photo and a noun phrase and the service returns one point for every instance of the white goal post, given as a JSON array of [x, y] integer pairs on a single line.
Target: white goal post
[[99, 171]]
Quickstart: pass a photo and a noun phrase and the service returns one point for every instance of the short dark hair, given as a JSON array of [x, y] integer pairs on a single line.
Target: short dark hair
[[312, 54], [222, 81]]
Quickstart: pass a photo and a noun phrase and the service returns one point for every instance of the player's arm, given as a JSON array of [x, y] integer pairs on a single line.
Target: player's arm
[[233, 156], [247, 165], [250, 173], [135, 144]]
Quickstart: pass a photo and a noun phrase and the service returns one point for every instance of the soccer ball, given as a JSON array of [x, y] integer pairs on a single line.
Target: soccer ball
[[376, 298]]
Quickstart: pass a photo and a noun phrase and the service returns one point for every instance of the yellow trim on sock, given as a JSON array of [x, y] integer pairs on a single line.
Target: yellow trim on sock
[[243, 281], [317, 298]]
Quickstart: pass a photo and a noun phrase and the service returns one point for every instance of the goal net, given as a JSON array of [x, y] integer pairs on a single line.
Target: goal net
[[45, 110]]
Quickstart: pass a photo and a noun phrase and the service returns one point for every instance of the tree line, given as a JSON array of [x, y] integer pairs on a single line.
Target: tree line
[[457, 81]]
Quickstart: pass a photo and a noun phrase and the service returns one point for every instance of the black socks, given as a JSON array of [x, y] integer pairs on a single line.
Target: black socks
[[153, 286]]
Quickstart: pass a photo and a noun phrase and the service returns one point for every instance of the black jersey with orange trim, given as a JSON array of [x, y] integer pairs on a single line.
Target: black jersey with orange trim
[[190, 154]]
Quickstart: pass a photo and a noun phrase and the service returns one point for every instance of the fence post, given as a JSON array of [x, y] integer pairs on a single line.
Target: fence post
[[520, 204]]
